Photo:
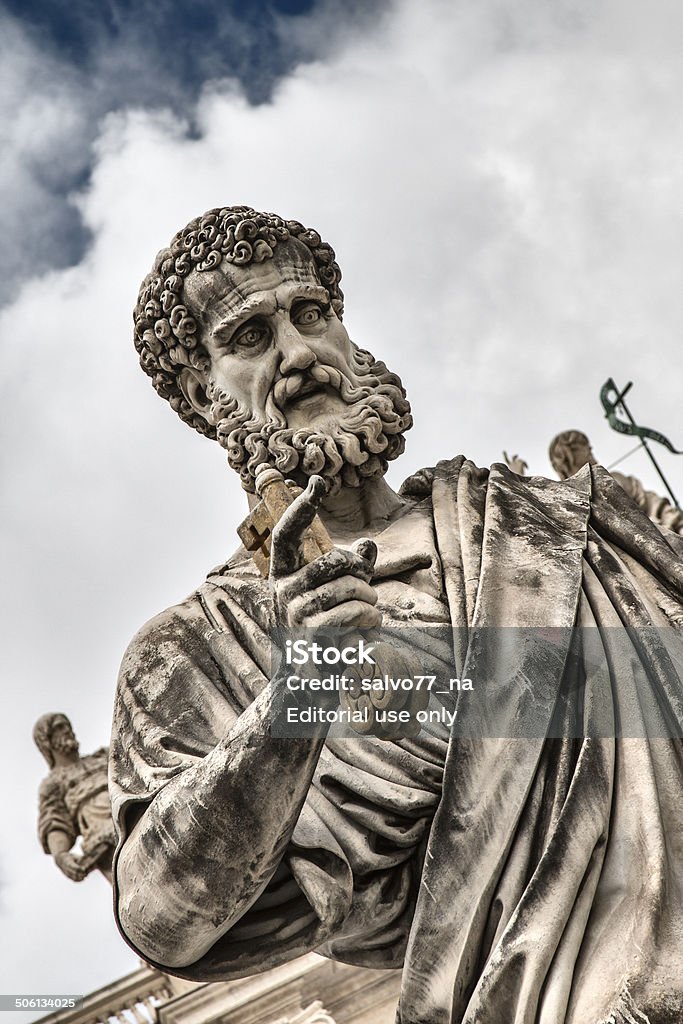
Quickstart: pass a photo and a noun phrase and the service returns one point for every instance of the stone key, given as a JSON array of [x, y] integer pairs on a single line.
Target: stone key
[[256, 530]]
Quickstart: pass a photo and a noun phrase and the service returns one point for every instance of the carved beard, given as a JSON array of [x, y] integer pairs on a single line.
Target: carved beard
[[358, 446], [65, 744]]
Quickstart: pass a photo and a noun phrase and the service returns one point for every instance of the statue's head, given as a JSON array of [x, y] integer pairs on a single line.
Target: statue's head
[[239, 325], [569, 452], [53, 733]]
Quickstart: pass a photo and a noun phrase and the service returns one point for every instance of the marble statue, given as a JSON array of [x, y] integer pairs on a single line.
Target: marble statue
[[534, 878], [571, 450], [73, 801], [516, 463]]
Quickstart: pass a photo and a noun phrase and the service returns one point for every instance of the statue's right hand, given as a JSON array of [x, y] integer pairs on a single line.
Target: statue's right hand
[[334, 591], [71, 866]]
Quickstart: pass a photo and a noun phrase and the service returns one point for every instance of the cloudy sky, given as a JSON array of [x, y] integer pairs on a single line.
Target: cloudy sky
[[502, 184]]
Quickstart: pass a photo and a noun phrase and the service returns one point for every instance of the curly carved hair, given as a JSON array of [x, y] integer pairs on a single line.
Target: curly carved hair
[[166, 336]]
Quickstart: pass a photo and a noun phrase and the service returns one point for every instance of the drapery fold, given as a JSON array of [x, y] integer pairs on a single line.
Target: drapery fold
[[526, 878]]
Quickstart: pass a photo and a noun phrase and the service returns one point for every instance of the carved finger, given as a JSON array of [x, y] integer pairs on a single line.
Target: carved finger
[[347, 588], [331, 566], [367, 549], [288, 533], [350, 615]]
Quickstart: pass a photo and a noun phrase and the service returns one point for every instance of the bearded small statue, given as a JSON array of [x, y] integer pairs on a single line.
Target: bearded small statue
[[73, 801]]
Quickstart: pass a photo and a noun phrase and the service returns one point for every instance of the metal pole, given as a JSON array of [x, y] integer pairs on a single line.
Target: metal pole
[[626, 456], [620, 401]]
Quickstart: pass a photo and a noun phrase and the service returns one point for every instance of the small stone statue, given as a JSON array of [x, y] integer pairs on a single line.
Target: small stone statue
[[516, 463], [571, 450], [73, 801]]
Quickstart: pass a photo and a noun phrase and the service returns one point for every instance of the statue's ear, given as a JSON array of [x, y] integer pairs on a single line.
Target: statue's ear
[[193, 386]]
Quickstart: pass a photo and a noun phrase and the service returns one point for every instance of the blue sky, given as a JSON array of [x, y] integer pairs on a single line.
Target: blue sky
[[153, 54], [502, 185]]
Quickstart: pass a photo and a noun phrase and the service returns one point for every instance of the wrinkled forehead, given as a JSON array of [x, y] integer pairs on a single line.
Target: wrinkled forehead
[[228, 287]]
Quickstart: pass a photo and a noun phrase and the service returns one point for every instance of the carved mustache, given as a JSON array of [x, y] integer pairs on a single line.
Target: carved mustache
[[65, 743], [319, 374]]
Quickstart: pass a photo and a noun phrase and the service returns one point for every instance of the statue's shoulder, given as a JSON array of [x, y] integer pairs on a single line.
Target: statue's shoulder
[[421, 483], [158, 644], [177, 623], [98, 757], [169, 623], [50, 787], [180, 640], [238, 571]]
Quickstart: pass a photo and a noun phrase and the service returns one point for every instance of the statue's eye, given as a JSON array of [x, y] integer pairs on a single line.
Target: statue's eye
[[307, 315], [250, 335]]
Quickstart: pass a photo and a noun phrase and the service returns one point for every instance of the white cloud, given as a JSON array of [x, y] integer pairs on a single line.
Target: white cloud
[[502, 186]]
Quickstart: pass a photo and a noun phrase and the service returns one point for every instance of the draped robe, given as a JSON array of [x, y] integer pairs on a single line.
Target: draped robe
[[522, 879]]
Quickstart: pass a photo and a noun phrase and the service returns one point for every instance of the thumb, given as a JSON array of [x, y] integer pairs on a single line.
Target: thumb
[[367, 549]]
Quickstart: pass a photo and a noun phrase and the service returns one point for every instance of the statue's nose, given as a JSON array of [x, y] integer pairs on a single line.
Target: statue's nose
[[295, 352]]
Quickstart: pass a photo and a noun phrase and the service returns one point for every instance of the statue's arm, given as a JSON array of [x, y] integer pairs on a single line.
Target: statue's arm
[[58, 842], [212, 838], [210, 841], [516, 464], [663, 512], [658, 508], [56, 829], [59, 845]]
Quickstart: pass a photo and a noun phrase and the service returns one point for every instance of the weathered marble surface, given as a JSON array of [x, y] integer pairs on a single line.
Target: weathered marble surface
[[73, 801], [514, 878]]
